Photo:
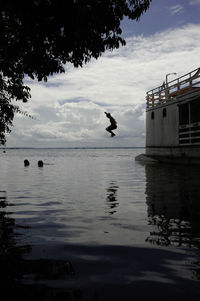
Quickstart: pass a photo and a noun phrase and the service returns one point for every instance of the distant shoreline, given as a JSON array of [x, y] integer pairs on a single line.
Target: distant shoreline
[[131, 147]]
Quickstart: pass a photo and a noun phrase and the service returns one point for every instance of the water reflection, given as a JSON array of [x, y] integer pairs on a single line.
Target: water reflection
[[173, 200], [23, 279], [111, 199]]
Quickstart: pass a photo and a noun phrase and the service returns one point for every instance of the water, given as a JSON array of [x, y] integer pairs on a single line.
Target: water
[[94, 224]]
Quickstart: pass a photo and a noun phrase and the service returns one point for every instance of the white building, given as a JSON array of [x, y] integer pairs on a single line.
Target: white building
[[173, 120]]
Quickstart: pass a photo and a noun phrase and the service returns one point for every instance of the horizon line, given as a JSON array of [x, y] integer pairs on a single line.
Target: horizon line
[[74, 147]]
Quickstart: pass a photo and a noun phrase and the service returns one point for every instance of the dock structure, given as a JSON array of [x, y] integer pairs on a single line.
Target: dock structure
[[173, 119]]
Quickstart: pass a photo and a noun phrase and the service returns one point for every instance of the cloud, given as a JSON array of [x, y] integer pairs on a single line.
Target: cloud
[[70, 107], [194, 2], [176, 9]]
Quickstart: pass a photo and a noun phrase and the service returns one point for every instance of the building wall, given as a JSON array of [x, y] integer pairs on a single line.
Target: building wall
[[164, 135], [183, 153], [162, 131], [176, 135]]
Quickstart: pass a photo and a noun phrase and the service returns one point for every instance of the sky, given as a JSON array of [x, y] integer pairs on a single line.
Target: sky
[[69, 109]]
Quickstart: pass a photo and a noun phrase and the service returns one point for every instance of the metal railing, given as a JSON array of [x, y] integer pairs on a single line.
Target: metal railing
[[189, 134], [173, 88]]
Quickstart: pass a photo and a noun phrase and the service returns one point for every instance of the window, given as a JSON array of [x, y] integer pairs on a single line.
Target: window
[[184, 114], [164, 112], [189, 118], [152, 115], [195, 111]]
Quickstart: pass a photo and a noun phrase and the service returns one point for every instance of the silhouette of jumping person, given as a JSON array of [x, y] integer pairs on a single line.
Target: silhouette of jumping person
[[113, 124]]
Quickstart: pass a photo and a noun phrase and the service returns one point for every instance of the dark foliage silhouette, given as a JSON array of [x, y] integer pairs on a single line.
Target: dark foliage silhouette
[[38, 37]]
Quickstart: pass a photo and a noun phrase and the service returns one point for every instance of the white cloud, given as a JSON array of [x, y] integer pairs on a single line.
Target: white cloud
[[194, 2], [70, 107], [176, 9]]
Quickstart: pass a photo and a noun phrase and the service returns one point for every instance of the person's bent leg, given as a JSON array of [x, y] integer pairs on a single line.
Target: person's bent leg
[[108, 129]]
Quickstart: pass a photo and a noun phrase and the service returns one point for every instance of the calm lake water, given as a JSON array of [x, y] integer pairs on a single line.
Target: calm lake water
[[94, 224]]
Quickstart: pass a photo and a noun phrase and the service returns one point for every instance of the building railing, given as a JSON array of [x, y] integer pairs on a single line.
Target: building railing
[[174, 88], [189, 134]]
